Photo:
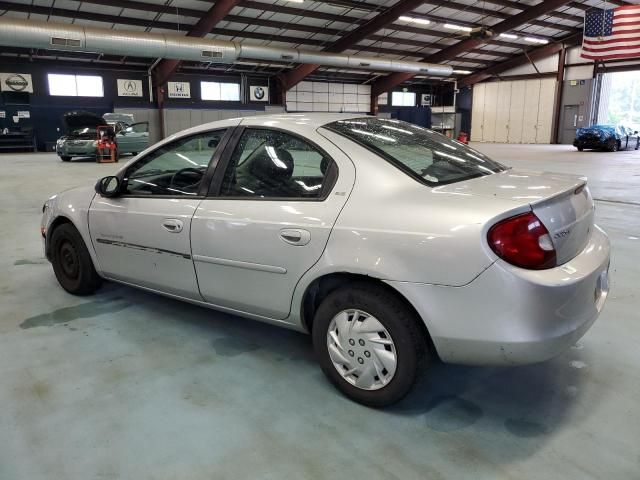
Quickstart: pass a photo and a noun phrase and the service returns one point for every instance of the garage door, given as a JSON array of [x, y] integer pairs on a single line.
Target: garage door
[[513, 112]]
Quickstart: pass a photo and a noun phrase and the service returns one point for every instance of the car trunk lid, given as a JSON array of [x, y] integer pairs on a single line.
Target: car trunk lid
[[563, 203], [80, 119]]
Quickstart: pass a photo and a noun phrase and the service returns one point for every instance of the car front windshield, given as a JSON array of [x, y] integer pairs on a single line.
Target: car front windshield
[[423, 154]]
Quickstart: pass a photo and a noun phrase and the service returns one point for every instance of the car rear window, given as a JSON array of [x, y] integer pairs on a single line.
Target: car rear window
[[423, 154]]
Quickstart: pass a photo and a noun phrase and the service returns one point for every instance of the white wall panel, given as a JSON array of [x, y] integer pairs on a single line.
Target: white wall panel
[[530, 114], [502, 112], [329, 97], [490, 110], [477, 112], [545, 110], [516, 111]]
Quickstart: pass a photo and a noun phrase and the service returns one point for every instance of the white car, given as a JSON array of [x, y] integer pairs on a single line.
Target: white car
[[391, 244]]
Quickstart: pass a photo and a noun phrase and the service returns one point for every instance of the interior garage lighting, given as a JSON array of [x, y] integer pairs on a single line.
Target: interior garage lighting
[[295, 1], [421, 21], [462, 72], [536, 40], [509, 35], [457, 27]]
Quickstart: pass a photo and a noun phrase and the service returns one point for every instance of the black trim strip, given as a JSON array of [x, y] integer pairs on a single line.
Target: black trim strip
[[117, 243]]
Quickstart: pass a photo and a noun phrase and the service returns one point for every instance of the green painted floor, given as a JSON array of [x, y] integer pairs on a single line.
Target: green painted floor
[[128, 385]]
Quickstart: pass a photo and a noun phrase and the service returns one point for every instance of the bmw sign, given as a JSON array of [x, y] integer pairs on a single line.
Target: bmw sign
[[16, 82], [259, 93]]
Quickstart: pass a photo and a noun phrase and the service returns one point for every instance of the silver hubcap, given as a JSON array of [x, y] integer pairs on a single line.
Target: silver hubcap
[[361, 349]]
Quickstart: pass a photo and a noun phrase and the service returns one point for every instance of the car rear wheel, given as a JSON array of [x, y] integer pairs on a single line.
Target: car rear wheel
[[369, 344], [613, 146], [65, 158], [72, 262], [580, 149]]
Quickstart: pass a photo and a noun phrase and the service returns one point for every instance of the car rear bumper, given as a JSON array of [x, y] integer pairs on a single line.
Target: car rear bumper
[[589, 143], [509, 315]]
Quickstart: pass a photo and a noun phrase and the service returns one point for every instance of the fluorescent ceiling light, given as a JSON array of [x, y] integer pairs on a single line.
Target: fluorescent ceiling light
[[295, 1], [509, 35], [536, 40], [457, 27], [421, 21], [462, 72]]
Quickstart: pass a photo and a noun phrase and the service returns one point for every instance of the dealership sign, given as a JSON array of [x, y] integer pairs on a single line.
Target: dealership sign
[[16, 82], [129, 88], [179, 89]]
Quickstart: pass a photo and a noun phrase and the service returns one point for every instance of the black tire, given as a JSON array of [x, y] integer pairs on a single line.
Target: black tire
[[613, 146], [397, 318], [72, 262], [65, 158], [580, 149]]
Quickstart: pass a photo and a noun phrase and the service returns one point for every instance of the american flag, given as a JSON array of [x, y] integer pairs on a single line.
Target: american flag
[[611, 33]]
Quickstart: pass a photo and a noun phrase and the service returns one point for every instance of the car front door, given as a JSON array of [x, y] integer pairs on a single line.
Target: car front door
[[142, 236], [134, 138], [275, 201]]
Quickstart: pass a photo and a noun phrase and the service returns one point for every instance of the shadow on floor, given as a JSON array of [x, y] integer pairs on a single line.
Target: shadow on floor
[[519, 408]]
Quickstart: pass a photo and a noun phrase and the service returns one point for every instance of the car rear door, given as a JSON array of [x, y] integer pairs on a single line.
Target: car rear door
[[142, 237], [268, 217]]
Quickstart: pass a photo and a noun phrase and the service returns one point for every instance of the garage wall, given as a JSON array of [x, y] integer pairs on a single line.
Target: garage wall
[[46, 111], [519, 111], [329, 97]]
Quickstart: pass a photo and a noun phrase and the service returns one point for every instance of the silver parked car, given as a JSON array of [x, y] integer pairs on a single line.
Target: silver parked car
[[391, 244]]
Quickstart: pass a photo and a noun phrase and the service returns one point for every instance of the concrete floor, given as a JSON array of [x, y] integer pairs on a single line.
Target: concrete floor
[[128, 385]]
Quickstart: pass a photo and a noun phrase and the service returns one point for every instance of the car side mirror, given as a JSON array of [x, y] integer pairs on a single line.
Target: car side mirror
[[108, 186]]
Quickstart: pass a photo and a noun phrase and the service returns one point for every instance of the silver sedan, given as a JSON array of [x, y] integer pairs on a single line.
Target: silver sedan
[[391, 244]]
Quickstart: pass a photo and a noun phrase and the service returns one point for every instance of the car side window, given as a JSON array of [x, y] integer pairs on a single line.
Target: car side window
[[275, 164], [174, 169]]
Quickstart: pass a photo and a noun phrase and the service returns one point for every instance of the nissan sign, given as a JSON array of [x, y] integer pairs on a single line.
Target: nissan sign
[[16, 82]]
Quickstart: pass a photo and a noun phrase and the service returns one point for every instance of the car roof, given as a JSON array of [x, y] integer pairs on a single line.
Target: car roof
[[301, 123]]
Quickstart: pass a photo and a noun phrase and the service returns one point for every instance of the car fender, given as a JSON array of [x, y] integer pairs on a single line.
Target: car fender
[[73, 205]]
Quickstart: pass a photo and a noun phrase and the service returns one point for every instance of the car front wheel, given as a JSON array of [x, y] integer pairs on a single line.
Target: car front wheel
[[369, 344], [65, 158], [72, 262], [613, 146]]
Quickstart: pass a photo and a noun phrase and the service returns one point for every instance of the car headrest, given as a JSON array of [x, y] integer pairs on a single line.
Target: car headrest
[[272, 164]]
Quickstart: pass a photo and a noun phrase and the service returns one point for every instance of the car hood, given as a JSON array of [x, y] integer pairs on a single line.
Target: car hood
[[520, 186], [79, 119]]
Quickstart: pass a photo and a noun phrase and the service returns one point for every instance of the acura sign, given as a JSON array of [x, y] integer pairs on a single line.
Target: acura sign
[[129, 88], [16, 82]]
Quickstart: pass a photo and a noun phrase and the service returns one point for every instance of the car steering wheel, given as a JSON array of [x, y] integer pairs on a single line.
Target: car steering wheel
[[188, 173]]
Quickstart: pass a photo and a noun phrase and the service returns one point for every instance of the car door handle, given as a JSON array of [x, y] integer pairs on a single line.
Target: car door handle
[[173, 225], [295, 236]]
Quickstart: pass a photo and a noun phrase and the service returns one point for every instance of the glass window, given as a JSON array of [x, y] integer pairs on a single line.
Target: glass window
[[220, 91], [403, 99], [174, 169], [75, 85], [273, 164], [425, 155], [142, 127]]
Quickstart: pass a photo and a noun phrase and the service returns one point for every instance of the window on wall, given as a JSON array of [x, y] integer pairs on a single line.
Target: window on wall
[[403, 99], [225, 92], [75, 85]]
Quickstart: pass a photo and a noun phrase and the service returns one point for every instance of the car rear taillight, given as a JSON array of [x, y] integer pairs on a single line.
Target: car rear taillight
[[523, 241]]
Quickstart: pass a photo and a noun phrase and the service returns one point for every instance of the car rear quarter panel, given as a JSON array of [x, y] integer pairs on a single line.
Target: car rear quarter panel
[[395, 228]]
